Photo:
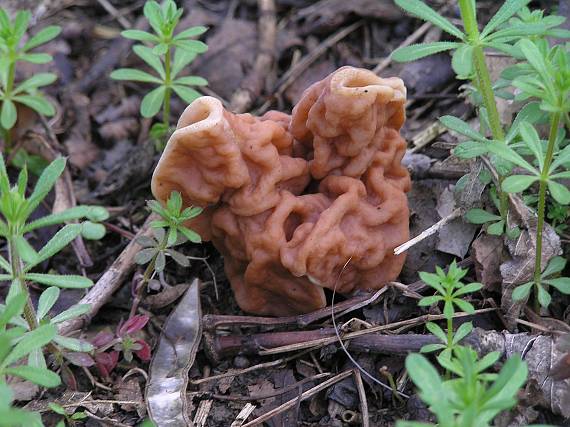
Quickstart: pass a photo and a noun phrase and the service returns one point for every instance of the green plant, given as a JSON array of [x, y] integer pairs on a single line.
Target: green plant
[[167, 54], [474, 397], [169, 231], [544, 74], [70, 419], [12, 51], [450, 290], [24, 330]]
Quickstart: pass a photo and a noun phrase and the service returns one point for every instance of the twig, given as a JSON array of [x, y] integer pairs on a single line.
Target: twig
[[426, 233], [252, 86], [115, 13], [106, 286], [362, 395], [305, 395], [243, 415], [412, 38], [294, 72]]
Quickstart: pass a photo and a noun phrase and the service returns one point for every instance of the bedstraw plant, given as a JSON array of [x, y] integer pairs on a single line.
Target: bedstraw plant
[[25, 330], [12, 51], [167, 53], [541, 78]]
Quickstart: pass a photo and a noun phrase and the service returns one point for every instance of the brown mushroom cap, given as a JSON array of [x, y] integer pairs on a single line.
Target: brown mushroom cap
[[293, 202]]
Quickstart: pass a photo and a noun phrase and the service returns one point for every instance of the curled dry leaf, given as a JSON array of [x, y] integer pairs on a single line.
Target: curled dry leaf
[[173, 357], [542, 354], [519, 267]]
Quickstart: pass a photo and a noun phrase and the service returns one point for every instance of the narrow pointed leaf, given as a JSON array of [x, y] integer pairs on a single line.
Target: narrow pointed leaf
[[60, 280], [417, 51], [421, 10]]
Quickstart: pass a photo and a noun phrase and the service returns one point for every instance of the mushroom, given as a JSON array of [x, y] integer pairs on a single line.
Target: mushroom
[[298, 203]]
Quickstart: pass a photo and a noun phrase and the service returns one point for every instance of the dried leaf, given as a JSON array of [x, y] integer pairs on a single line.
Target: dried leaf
[[173, 357]]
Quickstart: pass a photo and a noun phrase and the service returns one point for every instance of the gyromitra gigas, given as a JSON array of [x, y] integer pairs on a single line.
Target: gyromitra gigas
[[298, 203]]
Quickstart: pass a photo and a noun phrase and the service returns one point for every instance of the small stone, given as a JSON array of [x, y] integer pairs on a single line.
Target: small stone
[[241, 362]]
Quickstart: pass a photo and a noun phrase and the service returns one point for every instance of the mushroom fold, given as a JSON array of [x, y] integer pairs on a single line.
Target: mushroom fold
[[298, 203]]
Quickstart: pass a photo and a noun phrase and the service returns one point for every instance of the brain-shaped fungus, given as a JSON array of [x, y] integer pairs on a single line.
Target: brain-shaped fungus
[[293, 201]]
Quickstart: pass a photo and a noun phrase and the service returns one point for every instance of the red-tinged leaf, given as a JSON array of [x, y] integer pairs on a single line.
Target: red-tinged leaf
[[103, 338], [68, 377], [144, 353], [79, 359], [106, 362], [132, 325]]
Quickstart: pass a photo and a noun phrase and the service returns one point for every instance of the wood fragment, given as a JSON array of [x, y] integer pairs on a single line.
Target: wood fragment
[[243, 415]]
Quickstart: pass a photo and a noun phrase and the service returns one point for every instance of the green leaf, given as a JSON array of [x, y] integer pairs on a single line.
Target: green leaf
[[544, 297], [507, 153], [191, 32], [496, 229], [518, 183], [139, 35], [36, 58], [45, 183], [187, 94], [559, 192], [160, 262], [462, 61], [424, 375], [190, 235], [30, 341], [423, 11], [417, 51], [21, 24], [152, 102], [43, 36], [135, 75], [506, 11], [70, 214], [463, 305], [37, 80], [480, 216], [191, 81], [181, 59], [144, 256], [488, 360], [26, 251], [73, 344], [521, 292], [470, 149], [562, 157], [457, 125], [12, 309], [92, 231], [37, 103], [426, 301], [71, 313], [562, 284], [532, 140], [529, 113], [463, 330], [8, 114], [468, 289], [437, 331], [430, 348], [153, 13], [40, 376], [47, 299], [5, 265], [59, 241], [60, 280], [555, 265], [535, 58], [146, 54], [191, 46], [57, 408]]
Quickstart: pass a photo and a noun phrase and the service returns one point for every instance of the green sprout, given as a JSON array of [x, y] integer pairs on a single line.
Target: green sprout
[[167, 54], [12, 51]]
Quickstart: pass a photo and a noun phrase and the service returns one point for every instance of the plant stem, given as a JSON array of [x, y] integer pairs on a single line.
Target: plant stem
[[485, 87], [166, 105], [147, 275], [17, 275], [7, 93], [544, 174]]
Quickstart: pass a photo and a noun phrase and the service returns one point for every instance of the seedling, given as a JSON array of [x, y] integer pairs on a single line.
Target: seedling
[[167, 54], [450, 290], [169, 232], [11, 52]]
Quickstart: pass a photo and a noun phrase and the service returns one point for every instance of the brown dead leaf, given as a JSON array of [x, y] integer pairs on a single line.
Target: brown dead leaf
[[487, 255], [130, 390], [167, 296]]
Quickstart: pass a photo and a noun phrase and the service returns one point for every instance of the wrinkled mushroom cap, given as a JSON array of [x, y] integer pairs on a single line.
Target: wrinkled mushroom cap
[[302, 203]]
